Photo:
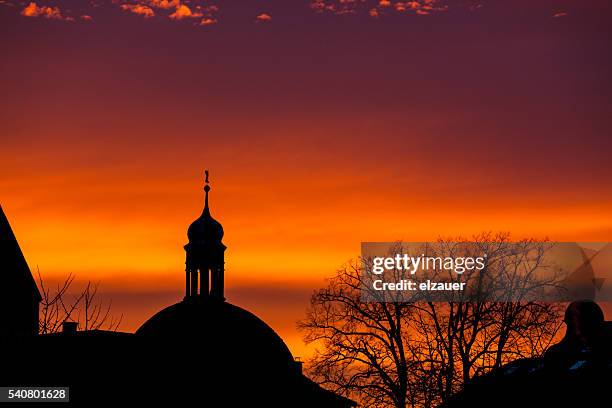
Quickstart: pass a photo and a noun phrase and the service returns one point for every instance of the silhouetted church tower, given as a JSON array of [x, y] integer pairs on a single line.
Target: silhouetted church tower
[[19, 295], [205, 255]]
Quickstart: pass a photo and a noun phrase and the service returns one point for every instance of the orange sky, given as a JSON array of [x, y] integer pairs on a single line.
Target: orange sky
[[282, 241], [320, 132]]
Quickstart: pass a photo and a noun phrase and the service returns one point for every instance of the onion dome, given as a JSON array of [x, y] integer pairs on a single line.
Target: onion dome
[[205, 229]]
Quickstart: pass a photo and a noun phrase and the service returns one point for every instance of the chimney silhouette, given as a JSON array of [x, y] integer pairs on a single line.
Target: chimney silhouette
[[69, 327]]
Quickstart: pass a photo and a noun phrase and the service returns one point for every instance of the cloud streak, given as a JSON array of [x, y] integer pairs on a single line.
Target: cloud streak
[[182, 12], [34, 10], [208, 21], [145, 11], [263, 18], [206, 13], [164, 4]]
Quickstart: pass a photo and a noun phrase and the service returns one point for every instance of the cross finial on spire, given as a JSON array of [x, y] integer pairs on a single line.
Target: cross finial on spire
[[207, 186]]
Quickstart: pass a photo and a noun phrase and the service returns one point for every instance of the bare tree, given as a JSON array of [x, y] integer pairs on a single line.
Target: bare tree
[[470, 338], [407, 352], [364, 344], [97, 316], [84, 307]]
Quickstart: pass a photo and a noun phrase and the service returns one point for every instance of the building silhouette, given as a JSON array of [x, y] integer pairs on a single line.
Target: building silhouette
[[205, 255], [19, 295], [576, 372], [201, 351]]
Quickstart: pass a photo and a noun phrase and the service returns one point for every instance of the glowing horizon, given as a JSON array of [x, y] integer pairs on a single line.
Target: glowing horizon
[[321, 129]]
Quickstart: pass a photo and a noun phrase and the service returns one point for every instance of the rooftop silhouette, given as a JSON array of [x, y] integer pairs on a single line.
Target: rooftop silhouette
[[19, 295], [575, 372]]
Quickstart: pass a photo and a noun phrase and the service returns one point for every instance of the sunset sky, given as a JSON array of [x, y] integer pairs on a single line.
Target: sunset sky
[[323, 124]]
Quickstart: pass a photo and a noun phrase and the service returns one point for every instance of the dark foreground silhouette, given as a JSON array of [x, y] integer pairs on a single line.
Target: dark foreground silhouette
[[576, 372], [202, 351]]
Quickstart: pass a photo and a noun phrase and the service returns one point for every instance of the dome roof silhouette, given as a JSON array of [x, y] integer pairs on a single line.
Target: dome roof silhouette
[[229, 330]]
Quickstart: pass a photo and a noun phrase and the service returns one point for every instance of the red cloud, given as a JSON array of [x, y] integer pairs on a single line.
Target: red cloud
[[208, 21], [263, 17], [33, 10], [425, 6], [164, 4], [182, 12], [141, 9]]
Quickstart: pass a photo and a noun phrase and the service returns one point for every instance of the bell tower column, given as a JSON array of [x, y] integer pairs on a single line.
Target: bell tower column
[[204, 281], [205, 255]]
